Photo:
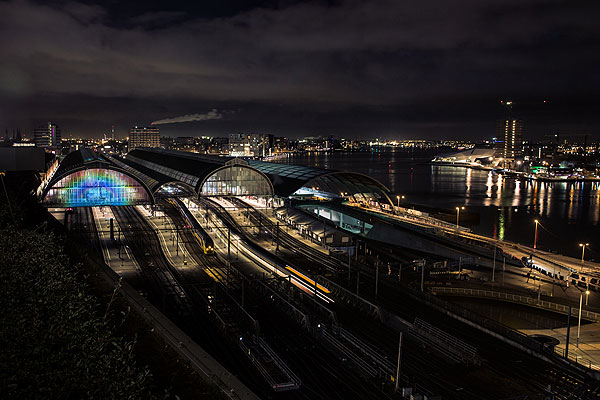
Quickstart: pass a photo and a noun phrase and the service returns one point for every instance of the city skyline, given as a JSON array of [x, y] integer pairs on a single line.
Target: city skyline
[[350, 69]]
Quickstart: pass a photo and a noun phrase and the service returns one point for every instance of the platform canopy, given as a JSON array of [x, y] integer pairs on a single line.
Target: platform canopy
[[208, 175], [85, 178], [222, 176], [298, 180]]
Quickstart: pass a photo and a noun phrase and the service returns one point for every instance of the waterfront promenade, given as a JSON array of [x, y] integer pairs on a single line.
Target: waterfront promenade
[[550, 261]]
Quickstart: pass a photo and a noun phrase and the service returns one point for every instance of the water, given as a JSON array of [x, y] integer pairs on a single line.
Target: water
[[569, 213]]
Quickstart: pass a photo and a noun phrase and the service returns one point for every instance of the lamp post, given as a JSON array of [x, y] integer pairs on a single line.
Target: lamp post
[[583, 246], [587, 295], [587, 292], [535, 237], [398, 198], [458, 215]]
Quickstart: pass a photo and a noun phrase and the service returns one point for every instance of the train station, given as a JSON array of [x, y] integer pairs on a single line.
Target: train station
[[226, 238], [85, 178]]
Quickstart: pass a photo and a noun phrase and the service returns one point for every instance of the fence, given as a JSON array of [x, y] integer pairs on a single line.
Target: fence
[[515, 298], [573, 357]]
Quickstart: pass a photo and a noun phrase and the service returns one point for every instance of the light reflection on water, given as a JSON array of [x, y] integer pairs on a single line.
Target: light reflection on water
[[572, 201], [569, 212]]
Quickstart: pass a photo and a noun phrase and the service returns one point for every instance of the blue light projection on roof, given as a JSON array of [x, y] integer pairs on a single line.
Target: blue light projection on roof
[[96, 187]]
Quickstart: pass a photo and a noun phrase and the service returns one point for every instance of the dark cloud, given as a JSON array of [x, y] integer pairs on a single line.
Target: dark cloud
[[399, 65]]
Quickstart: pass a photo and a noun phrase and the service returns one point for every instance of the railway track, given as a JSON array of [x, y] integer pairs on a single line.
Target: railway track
[[294, 245], [286, 338], [502, 360], [156, 271], [319, 367], [160, 274], [563, 384], [82, 221]]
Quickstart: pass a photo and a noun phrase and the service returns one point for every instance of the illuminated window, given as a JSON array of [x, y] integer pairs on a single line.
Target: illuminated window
[[236, 181]]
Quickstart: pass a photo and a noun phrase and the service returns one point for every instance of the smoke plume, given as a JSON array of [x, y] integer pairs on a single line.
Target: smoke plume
[[212, 114]]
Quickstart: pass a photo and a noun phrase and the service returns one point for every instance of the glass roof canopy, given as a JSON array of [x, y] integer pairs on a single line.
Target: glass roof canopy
[[199, 174], [287, 170], [87, 178], [285, 179]]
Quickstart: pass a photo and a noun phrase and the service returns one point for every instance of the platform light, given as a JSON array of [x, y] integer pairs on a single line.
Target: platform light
[[583, 246], [458, 215]]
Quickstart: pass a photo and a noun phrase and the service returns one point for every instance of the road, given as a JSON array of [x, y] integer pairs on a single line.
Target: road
[[552, 263]]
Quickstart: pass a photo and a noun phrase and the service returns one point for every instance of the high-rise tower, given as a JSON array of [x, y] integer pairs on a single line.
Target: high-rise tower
[[509, 134], [47, 135]]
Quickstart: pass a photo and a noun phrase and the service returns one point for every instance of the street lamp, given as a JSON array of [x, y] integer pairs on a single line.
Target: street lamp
[[536, 234], [583, 246], [458, 215], [398, 198], [587, 292]]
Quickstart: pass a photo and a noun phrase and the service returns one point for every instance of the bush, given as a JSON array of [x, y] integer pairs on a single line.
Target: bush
[[55, 339]]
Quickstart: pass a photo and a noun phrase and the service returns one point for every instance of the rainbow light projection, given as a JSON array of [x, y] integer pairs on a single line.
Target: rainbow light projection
[[96, 187]]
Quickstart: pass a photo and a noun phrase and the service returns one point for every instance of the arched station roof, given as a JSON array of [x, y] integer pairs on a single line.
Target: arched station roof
[[196, 169], [208, 175], [156, 181], [289, 179], [86, 178]]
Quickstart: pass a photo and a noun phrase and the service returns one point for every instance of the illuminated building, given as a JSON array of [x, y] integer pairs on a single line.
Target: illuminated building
[[280, 145], [250, 144], [143, 137], [47, 135], [509, 135], [509, 138], [86, 178]]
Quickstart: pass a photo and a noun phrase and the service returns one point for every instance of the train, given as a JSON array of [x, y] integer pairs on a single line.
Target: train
[[568, 275], [205, 241]]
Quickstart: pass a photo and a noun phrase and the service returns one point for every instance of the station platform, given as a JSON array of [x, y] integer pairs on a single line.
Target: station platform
[[268, 213]]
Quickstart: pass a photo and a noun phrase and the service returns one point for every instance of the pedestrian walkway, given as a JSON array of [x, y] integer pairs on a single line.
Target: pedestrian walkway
[[588, 351], [513, 298], [549, 261]]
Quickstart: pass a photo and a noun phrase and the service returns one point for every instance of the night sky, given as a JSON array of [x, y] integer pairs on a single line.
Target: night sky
[[359, 69]]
